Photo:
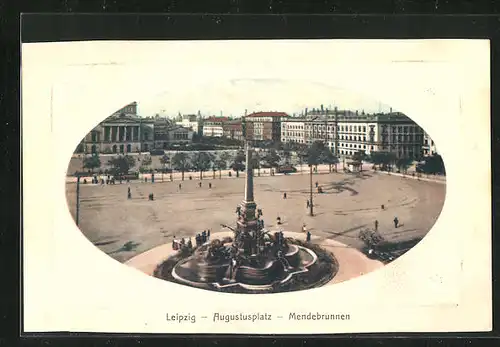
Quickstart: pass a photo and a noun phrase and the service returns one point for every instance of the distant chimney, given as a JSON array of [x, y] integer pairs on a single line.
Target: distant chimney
[[305, 111], [390, 110], [321, 107]]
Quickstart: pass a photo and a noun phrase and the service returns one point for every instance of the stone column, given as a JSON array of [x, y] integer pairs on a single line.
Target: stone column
[[117, 134], [249, 176], [125, 133]]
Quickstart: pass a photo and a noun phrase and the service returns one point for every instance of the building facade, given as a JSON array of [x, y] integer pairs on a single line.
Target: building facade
[[347, 132], [125, 132], [429, 146], [166, 132], [191, 121], [293, 130], [214, 126], [122, 132], [264, 126], [232, 129]]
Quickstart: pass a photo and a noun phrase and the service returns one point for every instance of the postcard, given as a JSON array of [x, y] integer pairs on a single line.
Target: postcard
[[256, 187]]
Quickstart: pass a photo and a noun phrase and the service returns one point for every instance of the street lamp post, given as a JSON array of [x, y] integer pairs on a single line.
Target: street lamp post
[[311, 212], [77, 200]]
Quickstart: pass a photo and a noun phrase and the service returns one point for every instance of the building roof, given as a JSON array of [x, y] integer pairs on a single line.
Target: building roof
[[217, 119], [268, 114], [124, 109]]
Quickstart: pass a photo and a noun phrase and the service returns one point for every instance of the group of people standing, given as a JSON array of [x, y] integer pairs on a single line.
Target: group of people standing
[[203, 237], [179, 244]]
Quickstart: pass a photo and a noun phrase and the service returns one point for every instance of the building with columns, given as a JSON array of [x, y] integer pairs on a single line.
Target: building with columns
[[125, 132], [122, 132]]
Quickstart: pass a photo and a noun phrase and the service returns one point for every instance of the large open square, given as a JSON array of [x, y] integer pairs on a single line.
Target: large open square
[[123, 227]]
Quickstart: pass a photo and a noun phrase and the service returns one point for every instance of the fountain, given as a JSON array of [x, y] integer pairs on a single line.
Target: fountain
[[254, 259]]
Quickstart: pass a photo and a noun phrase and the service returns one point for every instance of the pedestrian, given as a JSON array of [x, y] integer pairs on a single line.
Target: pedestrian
[[199, 184], [376, 225], [308, 203], [208, 235], [210, 185], [145, 179], [308, 239], [304, 229], [278, 220], [284, 195], [383, 207], [197, 239], [190, 244], [204, 236], [316, 184], [180, 186], [396, 222]]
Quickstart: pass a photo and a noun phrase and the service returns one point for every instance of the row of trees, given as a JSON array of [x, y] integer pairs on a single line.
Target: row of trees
[[314, 155]]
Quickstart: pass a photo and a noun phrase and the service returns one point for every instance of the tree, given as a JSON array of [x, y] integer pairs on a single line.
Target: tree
[[360, 156], [403, 164], [164, 160], [314, 154], [92, 162], [238, 162], [122, 164], [329, 158], [255, 163], [147, 160], [202, 161], [287, 152], [302, 153], [272, 158], [181, 162], [220, 163], [434, 165], [383, 159]]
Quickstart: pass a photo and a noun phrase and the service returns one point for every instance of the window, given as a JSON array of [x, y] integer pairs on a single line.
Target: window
[[371, 147]]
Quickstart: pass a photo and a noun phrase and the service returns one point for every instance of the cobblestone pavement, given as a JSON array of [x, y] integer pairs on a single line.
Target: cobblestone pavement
[[124, 228]]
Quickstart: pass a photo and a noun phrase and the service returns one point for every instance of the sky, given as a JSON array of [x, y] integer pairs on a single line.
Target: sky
[[233, 96]]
